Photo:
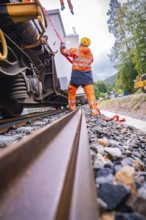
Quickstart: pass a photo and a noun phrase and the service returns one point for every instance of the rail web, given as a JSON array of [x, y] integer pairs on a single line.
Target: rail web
[[48, 175]]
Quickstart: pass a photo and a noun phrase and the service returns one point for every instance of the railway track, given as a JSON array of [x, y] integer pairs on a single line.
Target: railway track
[[49, 174], [6, 124]]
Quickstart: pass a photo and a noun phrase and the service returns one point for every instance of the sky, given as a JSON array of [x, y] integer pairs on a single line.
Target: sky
[[89, 20]]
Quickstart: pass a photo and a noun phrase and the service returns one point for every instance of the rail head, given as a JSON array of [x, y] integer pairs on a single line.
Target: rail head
[[49, 175]]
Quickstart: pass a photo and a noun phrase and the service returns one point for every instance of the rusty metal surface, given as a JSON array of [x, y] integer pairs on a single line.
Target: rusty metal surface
[[84, 196], [48, 175], [5, 124]]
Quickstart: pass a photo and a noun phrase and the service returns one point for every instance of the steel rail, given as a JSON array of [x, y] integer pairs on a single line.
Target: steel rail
[[5, 124], [48, 176]]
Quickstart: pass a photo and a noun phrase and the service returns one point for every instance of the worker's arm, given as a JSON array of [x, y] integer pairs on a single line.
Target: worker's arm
[[69, 52], [72, 52]]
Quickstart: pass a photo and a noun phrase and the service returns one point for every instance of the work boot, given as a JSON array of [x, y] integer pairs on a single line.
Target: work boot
[[94, 112], [72, 109], [62, 7]]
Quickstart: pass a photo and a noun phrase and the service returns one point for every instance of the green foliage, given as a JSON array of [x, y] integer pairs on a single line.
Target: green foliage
[[127, 23], [102, 87], [97, 93], [125, 77], [119, 91], [110, 82], [102, 95], [138, 91]]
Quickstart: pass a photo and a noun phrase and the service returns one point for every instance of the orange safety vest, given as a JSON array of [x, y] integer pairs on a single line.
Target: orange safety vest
[[82, 58]]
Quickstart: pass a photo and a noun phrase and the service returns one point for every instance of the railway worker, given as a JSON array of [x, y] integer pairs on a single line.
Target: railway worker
[[81, 74], [69, 5]]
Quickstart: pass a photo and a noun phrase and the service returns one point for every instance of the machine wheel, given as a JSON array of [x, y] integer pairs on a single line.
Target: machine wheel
[[12, 109]]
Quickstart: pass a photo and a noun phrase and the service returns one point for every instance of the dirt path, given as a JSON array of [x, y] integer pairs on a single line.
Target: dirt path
[[131, 105]]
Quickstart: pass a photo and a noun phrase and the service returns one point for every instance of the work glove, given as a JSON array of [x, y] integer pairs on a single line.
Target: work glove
[[62, 46]]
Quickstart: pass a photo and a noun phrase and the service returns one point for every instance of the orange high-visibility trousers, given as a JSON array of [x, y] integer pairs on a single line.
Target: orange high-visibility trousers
[[89, 91], [72, 97]]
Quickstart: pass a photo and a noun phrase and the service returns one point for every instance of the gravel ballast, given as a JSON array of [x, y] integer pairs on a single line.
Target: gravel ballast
[[118, 153]]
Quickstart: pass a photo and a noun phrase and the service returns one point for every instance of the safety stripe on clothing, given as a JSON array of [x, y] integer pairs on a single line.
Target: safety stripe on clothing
[[83, 59], [91, 103], [71, 101], [81, 64]]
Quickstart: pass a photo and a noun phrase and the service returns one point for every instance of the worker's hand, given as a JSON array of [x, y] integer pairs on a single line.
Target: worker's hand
[[62, 46]]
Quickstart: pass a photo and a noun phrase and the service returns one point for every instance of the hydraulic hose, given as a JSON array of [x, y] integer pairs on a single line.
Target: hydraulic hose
[[4, 54]]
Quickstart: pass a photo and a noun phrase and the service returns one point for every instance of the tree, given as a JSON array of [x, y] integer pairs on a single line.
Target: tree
[[125, 76], [97, 93], [127, 23], [102, 87]]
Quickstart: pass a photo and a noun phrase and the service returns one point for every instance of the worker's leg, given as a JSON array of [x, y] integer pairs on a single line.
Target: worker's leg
[[70, 6], [62, 5], [72, 97], [89, 91]]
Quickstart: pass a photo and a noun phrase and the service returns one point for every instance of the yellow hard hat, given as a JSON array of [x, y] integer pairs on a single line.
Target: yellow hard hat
[[85, 41]]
